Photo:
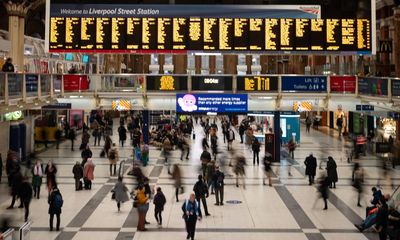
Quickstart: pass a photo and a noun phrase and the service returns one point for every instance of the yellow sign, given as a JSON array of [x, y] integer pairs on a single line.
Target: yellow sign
[[256, 83], [167, 83]]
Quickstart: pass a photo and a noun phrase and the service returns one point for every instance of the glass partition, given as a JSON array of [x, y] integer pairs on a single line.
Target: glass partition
[[45, 84], [15, 85], [57, 83], [2, 85], [31, 84]]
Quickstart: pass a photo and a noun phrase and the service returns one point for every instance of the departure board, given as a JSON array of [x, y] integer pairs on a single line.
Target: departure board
[[195, 34], [287, 34], [318, 35], [133, 33], [256, 34], [103, 33], [241, 27], [363, 34], [349, 34], [333, 34], [226, 29], [210, 34], [179, 33], [303, 34], [118, 30], [164, 33], [57, 33], [271, 34], [72, 34], [88, 33], [149, 33]]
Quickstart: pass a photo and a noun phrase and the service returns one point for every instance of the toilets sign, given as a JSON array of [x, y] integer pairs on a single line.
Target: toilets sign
[[211, 103], [304, 83]]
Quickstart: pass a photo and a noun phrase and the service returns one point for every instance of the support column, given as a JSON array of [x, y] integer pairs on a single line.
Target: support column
[[212, 64], [249, 63], [277, 132], [161, 62], [145, 129], [140, 63], [396, 40], [230, 64], [264, 64], [180, 64], [197, 64]]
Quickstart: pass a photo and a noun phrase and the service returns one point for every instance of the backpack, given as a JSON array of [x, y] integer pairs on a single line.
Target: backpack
[[112, 154], [58, 201]]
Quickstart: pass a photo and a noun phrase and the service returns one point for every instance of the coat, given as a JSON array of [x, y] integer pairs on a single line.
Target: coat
[[159, 201], [120, 191], [311, 165], [331, 169], [53, 209], [77, 170], [88, 170], [122, 133], [113, 156]]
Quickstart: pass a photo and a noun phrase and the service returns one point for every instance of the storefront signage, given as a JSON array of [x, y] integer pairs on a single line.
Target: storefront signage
[[396, 88], [58, 106], [167, 83], [31, 83], [210, 83], [343, 84], [211, 103], [373, 86], [257, 83], [76, 82], [365, 108], [304, 83]]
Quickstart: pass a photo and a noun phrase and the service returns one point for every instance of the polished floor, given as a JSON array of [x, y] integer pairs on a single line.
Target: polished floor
[[290, 210]]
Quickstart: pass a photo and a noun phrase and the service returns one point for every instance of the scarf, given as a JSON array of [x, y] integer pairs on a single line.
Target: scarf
[[37, 171]]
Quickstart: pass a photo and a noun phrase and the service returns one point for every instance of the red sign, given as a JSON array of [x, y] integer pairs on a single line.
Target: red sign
[[76, 82], [343, 84]]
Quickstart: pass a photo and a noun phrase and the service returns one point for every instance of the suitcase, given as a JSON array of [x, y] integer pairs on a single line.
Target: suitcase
[[102, 153]]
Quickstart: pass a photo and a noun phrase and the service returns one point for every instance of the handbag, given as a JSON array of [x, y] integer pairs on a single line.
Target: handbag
[[135, 204], [113, 195]]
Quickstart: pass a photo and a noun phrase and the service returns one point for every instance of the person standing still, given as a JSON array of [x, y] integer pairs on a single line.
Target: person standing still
[[37, 174], [256, 151], [77, 170], [191, 213], [88, 172], [55, 202], [332, 172], [122, 134], [311, 168], [218, 180], [50, 172], [113, 159]]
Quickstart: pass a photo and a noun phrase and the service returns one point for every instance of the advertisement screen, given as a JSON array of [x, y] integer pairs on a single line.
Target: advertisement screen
[[215, 103], [373, 86]]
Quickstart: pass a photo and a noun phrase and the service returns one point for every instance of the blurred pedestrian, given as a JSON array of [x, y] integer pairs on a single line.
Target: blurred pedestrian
[[159, 202], [37, 175], [71, 137], [358, 180], [176, 175], [267, 168], [332, 172], [113, 158], [323, 189], [230, 136], [239, 170], [16, 181], [142, 204], [50, 172], [25, 194], [120, 192]]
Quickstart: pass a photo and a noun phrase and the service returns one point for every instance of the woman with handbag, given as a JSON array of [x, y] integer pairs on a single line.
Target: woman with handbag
[[142, 205], [119, 193]]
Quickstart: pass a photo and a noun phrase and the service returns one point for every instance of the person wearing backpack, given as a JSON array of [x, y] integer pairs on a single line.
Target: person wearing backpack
[[55, 202], [113, 159], [218, 179], [201, 191], [159, 202]]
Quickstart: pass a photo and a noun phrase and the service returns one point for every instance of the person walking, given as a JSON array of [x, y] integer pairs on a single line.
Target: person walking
[[291, 147], [120, 192], [71, 136], [141, 201], [55, 202], [267, 168], [205, 158], [332, 172], [358, 180], [88, 173], [122, 134], [239, 170], [50, 172], [77, 170], [85, 140], [176, 175], [191, 213], [57, 136], [248, 139], [242, 129], [97, 135], [159, 202], [256, 151], [37, 175], [16, 181], [324, 190], [308, 124], [230, 136], [201, 191], [208, 178], [218, 181], [311, 168], [25, 194], [113, 158], [214, 144], [107, 145]]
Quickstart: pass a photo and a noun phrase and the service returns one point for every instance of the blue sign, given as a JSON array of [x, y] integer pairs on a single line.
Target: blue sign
[[394, 115], [213, 103], [365, 108], [304, 83], [31, 83]]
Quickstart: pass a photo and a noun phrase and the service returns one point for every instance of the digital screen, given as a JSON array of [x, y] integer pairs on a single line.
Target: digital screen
[[210, 83], [257, 83], [304, 83], [216, 103], [166, 83], [208, 34]]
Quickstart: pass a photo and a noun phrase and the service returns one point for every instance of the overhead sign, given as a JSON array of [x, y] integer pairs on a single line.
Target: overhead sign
[[121, 105], [304, 83], [394, 115], [210, 83], [373, 86], [343, 84], [395, 88], [58, 106], [211, 103], [31, 83], [257, 83], [302, 106], [365, 107], [166, 83]]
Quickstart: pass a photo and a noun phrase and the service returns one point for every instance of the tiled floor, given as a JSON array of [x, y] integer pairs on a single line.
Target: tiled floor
[[284, 211]]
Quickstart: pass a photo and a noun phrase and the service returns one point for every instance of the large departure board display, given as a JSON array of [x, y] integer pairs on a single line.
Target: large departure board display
[[122, 34]]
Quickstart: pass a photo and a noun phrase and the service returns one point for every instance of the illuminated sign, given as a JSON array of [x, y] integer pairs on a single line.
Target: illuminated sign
[[210, 83], [304, 83], [121, 105], [166, 83], [343, 84], [257, 83], [214, 103], [302, 106], [373, 86]]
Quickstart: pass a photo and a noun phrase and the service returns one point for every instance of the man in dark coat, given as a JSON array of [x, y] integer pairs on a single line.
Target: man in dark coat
[[26, 193], [311, 167], [200, 189], [54, 207], [77, 170], [332, 172], [218, 180], [15, 187], [8, 66], [122, 134]]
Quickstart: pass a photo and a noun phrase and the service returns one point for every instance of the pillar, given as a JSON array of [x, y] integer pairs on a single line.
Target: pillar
[[140, 63], [277, 132], [197, 64], [317, 63], [230, 64], [249, 63], [396, 40], [212, 61], [145, 129], [161, 63], [264, 64], [180, 64], [384, 57]]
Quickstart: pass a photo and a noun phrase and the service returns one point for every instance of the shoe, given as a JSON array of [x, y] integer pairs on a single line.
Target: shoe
[[359, 227], [146, 222], [187, 237], [325, 208], [10, 207], [221, 204], [264, 184], [207, 214], [21, 206], [237, 185], [51, 229], [359, 205], [216, 204], [212, 193]]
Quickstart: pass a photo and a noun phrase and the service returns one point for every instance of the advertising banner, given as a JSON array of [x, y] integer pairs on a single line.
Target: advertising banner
[[343, 84], [214, 103], [395, 88], [304, 83], [76, 82], [373, 86], [257, 83]]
